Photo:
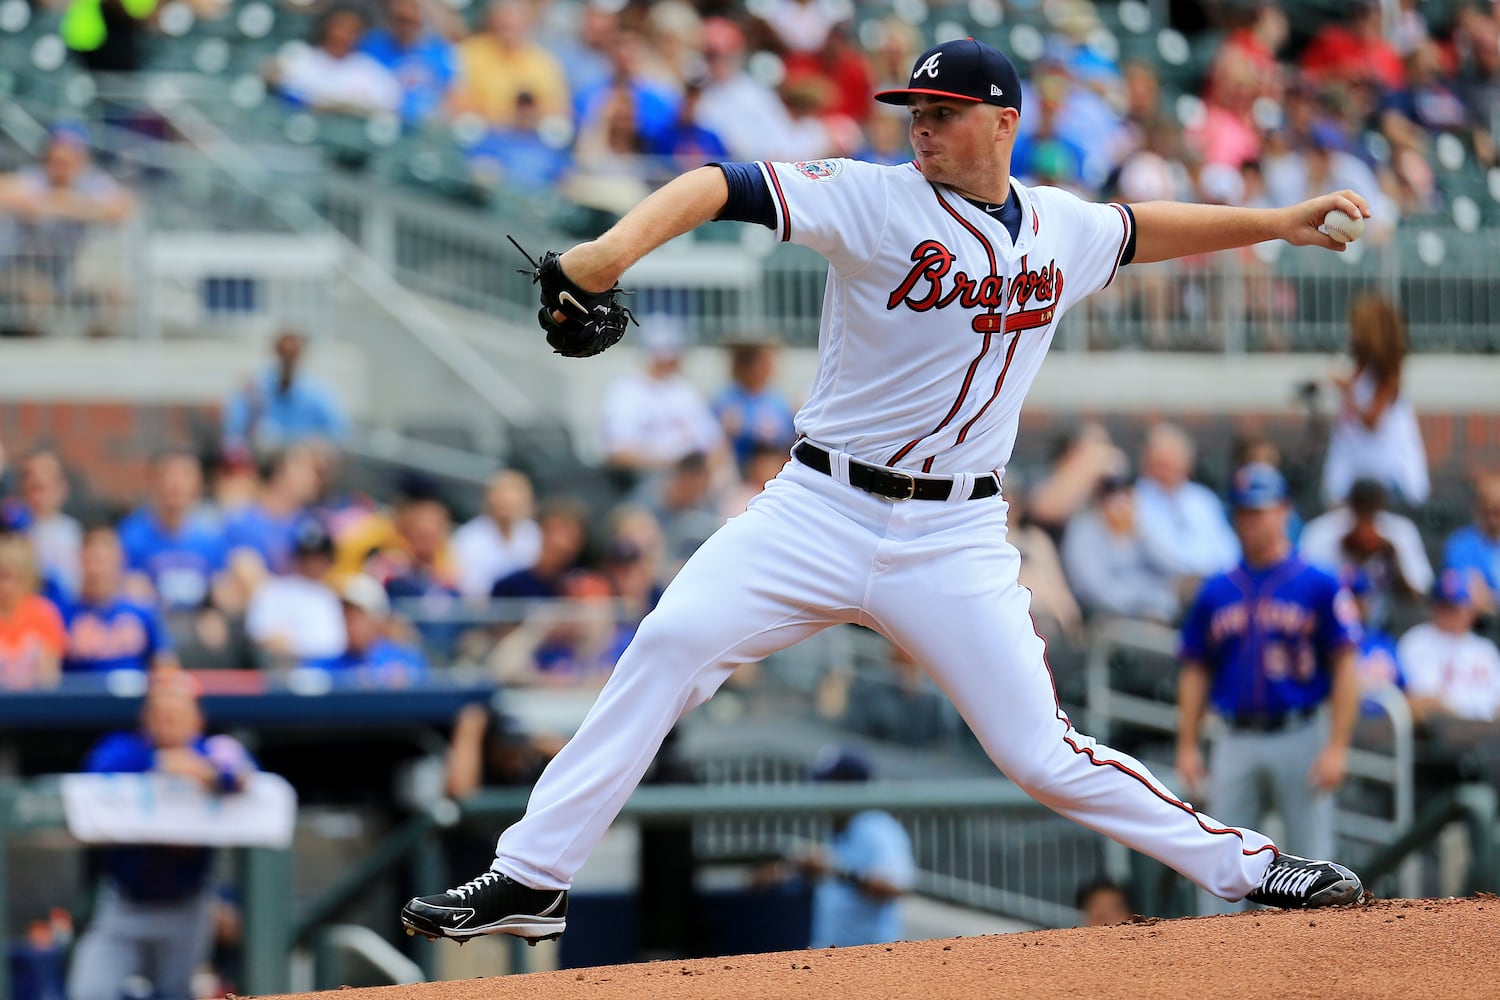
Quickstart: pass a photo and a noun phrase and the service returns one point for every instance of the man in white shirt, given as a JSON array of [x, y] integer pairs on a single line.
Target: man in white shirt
[[654, 418], [1450, 671], [57, 537], [500, 541], [331, 74], [745, 113], [298, 617], [1363, 535], [1181, 523]]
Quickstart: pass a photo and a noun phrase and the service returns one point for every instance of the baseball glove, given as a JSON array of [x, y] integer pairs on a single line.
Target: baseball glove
[[592, 322]]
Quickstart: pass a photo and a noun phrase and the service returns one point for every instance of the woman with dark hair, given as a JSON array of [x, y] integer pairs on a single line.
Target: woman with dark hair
[[1376, 434]]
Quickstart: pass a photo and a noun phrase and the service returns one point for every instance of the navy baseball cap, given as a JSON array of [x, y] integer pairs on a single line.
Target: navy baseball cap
[[1257, 486], [1451, 588], [840, 763], [963, 69], [310, 538]]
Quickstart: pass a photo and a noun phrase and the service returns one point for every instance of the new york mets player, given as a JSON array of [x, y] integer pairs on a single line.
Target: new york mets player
[[1266, 644], [946, 282]]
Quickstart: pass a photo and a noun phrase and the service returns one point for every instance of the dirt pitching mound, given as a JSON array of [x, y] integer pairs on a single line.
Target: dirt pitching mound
[[1396, 948]]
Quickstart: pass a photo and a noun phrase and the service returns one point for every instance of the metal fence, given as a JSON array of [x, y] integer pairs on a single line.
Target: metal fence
[[728, 280], [731, 279], [87, 282]]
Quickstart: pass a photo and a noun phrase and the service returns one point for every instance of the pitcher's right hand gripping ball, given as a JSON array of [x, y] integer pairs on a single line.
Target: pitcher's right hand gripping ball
[[592, 322]]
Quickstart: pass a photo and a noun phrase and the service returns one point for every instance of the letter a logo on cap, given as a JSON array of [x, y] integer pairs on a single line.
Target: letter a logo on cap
[[930, 67]]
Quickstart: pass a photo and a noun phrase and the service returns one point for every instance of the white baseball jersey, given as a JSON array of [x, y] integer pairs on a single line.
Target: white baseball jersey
[[934, 322], [1461, 670], [934, 325]]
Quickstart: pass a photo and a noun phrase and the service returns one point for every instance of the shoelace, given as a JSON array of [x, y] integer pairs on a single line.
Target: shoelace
[[1291, 881], [475, 884]]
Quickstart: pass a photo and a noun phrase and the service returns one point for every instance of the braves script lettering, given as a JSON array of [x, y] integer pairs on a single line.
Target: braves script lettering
[[928, 285]]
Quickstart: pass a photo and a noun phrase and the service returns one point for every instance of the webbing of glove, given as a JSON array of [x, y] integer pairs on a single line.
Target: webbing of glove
[[592, 322]]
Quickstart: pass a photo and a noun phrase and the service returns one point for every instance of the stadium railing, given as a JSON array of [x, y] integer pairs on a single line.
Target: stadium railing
[[1131, 678], [87, 289]]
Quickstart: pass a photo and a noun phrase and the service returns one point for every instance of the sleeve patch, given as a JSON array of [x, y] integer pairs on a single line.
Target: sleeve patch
[[819, 170]]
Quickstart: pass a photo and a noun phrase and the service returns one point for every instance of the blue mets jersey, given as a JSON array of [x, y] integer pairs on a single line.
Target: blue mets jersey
[[1268, 636]]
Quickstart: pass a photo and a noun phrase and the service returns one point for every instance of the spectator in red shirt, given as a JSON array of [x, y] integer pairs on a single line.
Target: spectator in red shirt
[[1250, 48], [1354, 50], [840, 61]]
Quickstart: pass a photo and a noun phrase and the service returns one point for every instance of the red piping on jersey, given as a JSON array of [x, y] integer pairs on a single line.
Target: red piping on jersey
[[1124, 239], [1010, 353], [968, 379], [983, 348], [786, 217], [1089, 753]]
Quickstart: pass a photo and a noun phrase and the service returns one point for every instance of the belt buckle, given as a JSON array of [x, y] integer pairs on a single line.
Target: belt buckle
[[911, 489]]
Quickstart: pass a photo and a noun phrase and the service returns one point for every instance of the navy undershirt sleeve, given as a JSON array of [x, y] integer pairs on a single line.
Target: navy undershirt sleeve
[[749, 197], [1128, 254]]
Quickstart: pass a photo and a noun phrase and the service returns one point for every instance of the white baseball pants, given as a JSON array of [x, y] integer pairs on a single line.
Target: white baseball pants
[[936, 578]]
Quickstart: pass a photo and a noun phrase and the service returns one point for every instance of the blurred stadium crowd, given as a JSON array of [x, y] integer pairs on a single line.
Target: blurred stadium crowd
[[254, 552], [257, 556], [590, 104]]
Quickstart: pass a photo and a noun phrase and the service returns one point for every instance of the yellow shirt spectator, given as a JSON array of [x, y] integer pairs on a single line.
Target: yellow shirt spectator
[[499, 64]]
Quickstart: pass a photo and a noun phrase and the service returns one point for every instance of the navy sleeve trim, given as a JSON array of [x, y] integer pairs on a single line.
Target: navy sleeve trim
[[749, 199], [1127, 241]]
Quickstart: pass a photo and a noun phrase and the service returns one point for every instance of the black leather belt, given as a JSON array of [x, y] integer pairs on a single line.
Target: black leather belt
[[892, 483], [1270, 722]]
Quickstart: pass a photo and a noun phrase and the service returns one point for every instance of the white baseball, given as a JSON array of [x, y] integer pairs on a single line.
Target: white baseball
[[1342, 226]]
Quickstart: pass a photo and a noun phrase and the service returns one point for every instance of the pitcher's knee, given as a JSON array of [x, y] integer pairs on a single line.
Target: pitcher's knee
[[678, 647], [1044, 772]]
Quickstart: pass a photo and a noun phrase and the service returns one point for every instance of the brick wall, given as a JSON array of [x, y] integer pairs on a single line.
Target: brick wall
[[107, 445]]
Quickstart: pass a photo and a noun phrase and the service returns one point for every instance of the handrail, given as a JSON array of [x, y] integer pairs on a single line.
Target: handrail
[[460, 357], [1474, 803], [424, 456], [374, 949]]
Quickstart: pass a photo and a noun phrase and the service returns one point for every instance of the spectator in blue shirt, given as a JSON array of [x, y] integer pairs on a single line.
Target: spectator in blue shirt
[[282, 407], [654, 107], [424, 63], [268, 524], [518, 155], [685, 142], [106, 629], [751, 410], [865, 870], [173, 547], [1475, 548], [371, 657], [154, 914]]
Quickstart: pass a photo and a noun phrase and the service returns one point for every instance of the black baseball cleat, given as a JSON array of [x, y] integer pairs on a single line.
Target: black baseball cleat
[[1294, 883], [489, 904]]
